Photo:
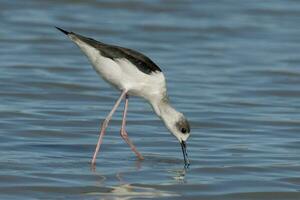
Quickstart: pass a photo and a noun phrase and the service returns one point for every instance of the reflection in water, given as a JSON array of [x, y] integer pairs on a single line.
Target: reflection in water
[[179, 175], [125, 190], [128, 191]]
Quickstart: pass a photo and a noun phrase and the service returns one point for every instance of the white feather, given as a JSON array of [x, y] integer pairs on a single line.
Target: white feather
[[122, 74]]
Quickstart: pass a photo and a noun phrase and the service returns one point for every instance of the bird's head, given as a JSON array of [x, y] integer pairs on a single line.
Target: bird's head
[[179, 126]]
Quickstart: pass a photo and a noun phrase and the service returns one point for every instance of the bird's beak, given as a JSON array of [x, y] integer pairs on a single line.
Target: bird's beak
[[185, 155]]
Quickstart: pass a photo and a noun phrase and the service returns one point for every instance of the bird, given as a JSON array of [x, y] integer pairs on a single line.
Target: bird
[[133, 74]]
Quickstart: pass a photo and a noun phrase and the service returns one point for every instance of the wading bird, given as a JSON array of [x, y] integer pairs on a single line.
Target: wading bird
[[134, 74]]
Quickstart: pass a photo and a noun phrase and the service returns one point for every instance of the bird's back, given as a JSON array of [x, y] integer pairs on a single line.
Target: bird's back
[[142, 62], [124, 68]]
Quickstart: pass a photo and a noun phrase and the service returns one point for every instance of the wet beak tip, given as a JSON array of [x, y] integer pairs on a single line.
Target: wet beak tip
[[185, 156]]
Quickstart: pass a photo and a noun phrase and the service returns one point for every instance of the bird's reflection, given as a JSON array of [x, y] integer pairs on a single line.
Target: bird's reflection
[[126, 191], [123, 189], [180, 174]]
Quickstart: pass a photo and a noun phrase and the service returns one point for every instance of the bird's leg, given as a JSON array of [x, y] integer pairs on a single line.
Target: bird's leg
[[104, 126], [124, 134]]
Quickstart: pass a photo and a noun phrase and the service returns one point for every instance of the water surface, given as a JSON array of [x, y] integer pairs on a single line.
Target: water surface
[[232, 67]]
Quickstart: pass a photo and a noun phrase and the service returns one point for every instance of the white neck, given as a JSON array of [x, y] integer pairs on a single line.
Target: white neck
[[166, 112]]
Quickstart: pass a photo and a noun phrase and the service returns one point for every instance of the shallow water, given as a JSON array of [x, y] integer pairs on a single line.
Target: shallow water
[[232, 67]]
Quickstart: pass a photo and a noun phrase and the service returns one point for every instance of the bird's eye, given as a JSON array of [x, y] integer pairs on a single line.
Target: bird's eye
[[183, 130]]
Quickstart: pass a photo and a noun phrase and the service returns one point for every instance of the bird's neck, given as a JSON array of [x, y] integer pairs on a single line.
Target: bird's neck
[[165, 111]]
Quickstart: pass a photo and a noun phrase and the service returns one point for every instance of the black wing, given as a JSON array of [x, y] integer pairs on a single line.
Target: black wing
[[142, 62]]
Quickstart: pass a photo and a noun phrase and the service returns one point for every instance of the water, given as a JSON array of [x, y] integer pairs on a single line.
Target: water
[[232, 67]]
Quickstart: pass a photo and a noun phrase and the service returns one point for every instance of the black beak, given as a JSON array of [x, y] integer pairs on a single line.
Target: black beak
[[185, 156], [64, 31]]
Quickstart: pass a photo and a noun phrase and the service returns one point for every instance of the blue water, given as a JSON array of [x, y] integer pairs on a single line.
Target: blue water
[[231, 66]]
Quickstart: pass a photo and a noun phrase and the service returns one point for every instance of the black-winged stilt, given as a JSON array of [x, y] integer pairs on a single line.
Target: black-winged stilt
[[133, 74]]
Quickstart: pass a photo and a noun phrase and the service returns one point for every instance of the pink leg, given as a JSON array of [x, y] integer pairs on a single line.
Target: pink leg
[[124, 134], [104, 126]]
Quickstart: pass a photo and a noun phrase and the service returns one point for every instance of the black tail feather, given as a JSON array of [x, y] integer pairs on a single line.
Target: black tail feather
[[62, 30]]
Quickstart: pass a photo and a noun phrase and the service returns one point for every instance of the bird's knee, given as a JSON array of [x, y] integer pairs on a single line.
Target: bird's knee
[[123, 133]]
